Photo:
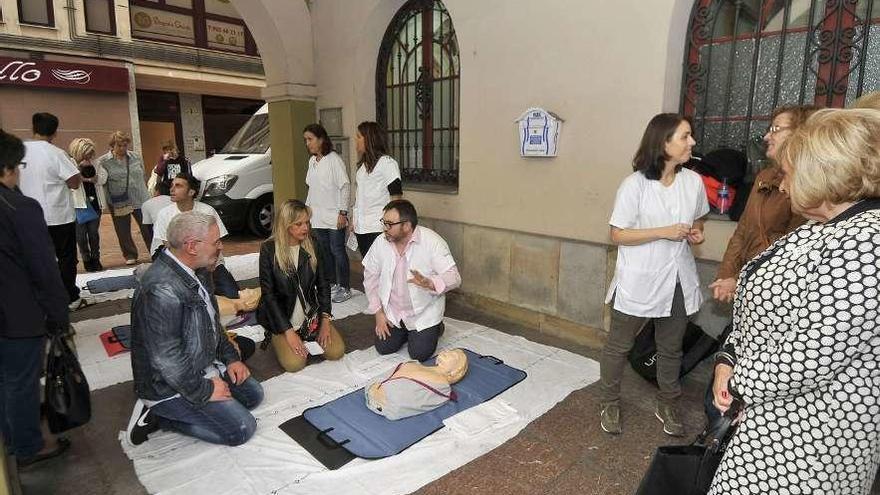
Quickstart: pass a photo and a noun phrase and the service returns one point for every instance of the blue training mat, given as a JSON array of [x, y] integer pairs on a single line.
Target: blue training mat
[[111, 284], [348, 423]]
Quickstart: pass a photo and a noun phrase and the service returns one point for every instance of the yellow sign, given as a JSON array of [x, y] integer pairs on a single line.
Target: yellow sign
[[158, 24], [225, 36]]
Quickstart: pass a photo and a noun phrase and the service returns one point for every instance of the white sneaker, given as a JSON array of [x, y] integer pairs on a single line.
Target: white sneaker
[[131, 262], [342, 295], [334, 289], [141, 424], [79, 304]]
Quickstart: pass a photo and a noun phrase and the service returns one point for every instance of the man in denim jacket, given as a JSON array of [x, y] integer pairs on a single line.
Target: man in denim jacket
[[187, 375]]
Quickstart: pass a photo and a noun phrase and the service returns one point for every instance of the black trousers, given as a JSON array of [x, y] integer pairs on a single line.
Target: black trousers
[[64, 240], [421, 344]]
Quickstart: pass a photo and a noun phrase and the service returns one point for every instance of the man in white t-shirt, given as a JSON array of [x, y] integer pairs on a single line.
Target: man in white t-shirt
[[184, 189], [47, 175]]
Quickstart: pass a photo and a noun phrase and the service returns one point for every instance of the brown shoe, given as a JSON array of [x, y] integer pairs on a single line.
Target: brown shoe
[[668, 415], [63, 445], [610, 419]]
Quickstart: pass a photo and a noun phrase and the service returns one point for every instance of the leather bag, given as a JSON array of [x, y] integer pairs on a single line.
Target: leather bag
[[68, 401]]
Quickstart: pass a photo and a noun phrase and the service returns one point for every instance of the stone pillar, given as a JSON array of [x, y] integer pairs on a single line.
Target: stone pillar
[[290, 159], [193, 123]]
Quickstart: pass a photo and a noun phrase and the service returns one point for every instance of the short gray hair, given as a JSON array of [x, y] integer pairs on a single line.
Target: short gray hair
[[188, 225]]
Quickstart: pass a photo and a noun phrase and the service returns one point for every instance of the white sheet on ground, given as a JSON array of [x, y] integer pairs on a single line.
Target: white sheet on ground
[[272, 463], [242, 267], [102, 371]]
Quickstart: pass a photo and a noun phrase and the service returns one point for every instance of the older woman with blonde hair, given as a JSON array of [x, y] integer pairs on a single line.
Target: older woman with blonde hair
[[126, 191], [295, 303], [803, 353], [90, 195]]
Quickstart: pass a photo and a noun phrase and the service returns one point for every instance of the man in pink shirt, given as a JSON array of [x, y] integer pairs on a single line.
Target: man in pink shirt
[[407, 273]]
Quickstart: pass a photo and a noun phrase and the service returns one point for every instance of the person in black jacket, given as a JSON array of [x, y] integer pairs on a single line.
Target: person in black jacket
[[33, 300], [295, 290], [187, 375]]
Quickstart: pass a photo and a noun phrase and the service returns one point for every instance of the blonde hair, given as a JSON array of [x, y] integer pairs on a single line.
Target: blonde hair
[[868, 100], [834, 158], [119, 137], [290, 212], [80, 148]]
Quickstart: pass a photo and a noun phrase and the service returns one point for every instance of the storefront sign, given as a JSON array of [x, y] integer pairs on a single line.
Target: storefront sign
[[161, 25], [225, 36], [47, 74]]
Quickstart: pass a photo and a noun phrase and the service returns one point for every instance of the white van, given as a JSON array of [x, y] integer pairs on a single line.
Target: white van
[[237, 181]]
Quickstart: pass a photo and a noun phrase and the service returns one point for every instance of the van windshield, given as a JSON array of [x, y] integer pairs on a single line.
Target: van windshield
[[252, 138]]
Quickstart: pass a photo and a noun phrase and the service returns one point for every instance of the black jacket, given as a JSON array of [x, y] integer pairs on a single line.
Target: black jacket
[[279, 294], [31, 293], [173, 338]]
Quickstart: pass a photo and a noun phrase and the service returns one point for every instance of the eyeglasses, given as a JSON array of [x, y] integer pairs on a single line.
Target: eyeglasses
[[388, 224], [773, 129]]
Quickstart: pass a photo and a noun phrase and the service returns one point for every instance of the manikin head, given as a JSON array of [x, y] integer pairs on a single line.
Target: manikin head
[[453, 364]]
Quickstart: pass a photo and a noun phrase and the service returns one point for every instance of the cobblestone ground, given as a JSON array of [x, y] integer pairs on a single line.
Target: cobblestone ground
[[562, 452]]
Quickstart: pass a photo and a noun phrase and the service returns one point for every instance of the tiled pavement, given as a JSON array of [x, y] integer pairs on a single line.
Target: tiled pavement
[[111, 255], [562, 452]]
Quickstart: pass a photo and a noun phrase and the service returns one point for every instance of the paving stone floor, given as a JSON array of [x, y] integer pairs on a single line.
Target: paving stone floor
[[562, 452]]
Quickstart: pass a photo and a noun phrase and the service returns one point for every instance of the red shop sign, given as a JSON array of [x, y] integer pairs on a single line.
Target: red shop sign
[[41, 73]]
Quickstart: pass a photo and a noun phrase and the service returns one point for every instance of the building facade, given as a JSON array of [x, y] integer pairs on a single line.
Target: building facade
[[186, 71]]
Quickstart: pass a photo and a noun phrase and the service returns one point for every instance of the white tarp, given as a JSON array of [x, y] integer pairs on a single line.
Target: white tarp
[[242, 267], [102, 371], [272, 463]]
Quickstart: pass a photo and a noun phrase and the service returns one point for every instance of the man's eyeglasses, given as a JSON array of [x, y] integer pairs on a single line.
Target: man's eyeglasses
[[388, 225], [773, 129]]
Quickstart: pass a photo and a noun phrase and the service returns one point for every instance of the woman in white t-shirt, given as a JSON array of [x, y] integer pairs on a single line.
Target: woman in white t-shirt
[[378, 182], [328, 198], [658, 214]]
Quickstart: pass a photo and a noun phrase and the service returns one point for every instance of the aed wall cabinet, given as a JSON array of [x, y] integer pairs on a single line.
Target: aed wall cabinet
[[538, 133]]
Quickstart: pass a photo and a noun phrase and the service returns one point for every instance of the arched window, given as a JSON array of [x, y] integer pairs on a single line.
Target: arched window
[[417, 93], [746, 57]]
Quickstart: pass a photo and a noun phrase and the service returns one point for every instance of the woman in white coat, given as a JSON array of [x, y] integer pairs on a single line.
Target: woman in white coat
[[658, 214], [378, 182], [91, 194]]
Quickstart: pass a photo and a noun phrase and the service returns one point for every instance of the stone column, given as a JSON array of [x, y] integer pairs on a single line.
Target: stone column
[[290, 159]]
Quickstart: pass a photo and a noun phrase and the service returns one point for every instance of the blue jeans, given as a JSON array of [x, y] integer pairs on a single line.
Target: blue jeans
[[21, 361], [225, 422], [420, 344], [337, 266]]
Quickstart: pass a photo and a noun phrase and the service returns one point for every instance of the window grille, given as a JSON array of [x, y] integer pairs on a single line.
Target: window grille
[[744, 58], [417, 93]]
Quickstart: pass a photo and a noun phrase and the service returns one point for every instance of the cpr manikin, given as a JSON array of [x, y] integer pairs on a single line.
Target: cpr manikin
[[413, 388]]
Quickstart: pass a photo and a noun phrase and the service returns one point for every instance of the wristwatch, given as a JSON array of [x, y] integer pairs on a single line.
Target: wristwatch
[[343, 213], [327, 316]]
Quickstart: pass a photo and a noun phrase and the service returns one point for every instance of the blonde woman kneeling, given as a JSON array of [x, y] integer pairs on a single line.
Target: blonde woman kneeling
[[295, 290]]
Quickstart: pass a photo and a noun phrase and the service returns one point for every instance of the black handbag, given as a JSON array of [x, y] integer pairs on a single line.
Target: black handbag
[[68, 403], [689, 469], [696, 346]]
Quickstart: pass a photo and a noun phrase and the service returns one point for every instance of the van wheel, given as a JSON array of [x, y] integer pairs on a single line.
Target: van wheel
[[260, 216]]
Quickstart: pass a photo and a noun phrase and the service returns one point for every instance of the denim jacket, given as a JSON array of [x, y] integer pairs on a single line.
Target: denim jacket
[[173, 338]]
